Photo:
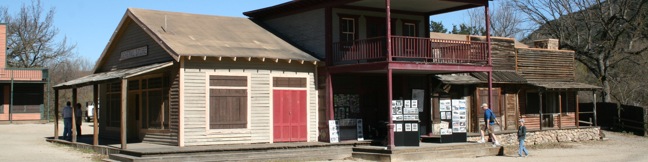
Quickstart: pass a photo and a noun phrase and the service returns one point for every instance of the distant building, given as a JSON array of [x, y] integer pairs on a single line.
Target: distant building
[[21, 89]]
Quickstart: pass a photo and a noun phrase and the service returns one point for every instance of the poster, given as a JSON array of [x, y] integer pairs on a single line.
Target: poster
[[399, 127], [359, 130], [408, 127], [333, 132], [415, 127], [459, 115], [418, 95], [444, 105]]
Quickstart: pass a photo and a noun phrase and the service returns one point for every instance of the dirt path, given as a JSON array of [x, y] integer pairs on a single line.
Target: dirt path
[[26, 142], [617, 147]]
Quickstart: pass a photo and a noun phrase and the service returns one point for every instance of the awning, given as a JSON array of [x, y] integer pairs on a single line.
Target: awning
[[482, 77], [573, 86], [116, 74]]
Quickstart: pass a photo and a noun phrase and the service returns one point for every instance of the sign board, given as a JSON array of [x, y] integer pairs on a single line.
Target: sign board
[[132, 53]]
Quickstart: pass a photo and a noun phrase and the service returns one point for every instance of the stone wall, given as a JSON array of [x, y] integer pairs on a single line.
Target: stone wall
[[535, 137]]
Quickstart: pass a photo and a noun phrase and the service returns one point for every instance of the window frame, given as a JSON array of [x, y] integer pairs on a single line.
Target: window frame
[[342, 33], [207, 102]]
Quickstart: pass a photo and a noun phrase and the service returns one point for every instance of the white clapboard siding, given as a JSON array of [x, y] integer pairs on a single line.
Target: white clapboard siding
[[260, 104]]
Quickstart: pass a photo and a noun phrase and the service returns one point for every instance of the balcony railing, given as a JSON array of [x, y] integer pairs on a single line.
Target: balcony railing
[[412, 49]]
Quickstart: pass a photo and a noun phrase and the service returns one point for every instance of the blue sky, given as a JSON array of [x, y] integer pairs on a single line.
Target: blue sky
[[90, 24]]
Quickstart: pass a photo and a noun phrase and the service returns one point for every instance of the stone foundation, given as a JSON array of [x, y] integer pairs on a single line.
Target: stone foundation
[[534, 137]]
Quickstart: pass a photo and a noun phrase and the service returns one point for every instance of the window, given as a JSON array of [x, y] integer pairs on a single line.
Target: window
[[155, 112], [347, 29], [409, 29], [113, 98], [228, 102], [289, 82]]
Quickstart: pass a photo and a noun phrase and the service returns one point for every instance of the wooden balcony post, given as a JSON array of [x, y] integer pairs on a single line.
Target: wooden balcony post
[[329, 96], [391, 121], [595, 121], [488, 40], [388, 17]]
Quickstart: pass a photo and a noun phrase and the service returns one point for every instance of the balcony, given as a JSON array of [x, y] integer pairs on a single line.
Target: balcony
[[411, 49]]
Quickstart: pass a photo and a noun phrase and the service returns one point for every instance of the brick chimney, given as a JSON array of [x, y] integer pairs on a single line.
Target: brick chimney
[[546, 44], [3, 45]]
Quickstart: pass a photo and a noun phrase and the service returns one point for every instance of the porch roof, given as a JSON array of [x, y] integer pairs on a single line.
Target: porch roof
[[110, 75], [565, 86], [482, 77]]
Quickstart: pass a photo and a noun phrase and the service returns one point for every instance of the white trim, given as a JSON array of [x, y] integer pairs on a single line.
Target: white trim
[[248, 88], [181, 133]]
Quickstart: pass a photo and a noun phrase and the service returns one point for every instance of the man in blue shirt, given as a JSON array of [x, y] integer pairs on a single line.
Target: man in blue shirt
[[489, 121]]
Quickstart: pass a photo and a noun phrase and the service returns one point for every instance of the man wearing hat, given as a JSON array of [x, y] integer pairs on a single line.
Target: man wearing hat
[[489, 121]]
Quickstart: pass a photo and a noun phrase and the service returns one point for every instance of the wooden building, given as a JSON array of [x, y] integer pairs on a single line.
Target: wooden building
[[22, 90], [187, 79]]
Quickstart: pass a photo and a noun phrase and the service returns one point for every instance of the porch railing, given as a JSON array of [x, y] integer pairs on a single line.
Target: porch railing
[[411, 49]]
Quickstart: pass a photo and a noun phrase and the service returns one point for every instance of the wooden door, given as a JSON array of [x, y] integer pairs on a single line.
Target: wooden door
[[289, 115]]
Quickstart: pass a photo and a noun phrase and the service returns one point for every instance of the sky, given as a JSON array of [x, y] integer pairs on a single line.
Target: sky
[[90, 23]]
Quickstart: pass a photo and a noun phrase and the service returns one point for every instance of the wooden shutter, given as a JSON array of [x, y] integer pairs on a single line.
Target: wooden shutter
[[289, 82], [228, 108]]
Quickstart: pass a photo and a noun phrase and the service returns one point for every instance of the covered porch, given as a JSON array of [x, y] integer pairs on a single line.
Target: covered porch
[[128, 108]]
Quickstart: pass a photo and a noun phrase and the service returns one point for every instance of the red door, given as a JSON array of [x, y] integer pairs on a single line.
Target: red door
[[289, 115]]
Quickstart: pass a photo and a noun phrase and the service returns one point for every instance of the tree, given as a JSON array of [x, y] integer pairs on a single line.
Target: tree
[[605, 35], [467, 30], [31, 37], [437, 27], [505, 21]]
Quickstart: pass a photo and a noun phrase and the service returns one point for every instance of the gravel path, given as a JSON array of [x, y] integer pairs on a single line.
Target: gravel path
[[26, 142]]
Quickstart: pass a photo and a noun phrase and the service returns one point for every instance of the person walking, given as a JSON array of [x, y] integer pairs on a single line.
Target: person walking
[[489, 121], [77, 118], [67, 121], [521, 136]]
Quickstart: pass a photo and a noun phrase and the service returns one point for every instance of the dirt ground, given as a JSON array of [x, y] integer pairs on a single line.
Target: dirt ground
[[26, 142]]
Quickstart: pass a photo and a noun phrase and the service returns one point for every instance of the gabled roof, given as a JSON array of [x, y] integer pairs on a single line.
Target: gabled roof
[[184, 34]]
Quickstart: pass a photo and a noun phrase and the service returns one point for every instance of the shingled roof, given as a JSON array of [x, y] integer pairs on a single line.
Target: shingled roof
[[206, 35]]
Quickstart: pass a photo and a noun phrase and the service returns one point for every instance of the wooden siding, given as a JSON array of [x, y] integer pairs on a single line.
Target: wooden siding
[[306, 30], [261, 73], [545, 65], [133, 36], [503, 51], [174, 101]]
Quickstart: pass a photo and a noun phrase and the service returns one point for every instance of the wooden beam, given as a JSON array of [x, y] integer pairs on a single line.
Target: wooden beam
[[234, 58], [124, 103], [95, 112], [577, 112], [249, 58], [204, 58], [189, 57], [56, 113], [301, 62], [276, 60], [220, 58], [74, 101], [314, 62], [540, 94], [289, 60], [262, 59]]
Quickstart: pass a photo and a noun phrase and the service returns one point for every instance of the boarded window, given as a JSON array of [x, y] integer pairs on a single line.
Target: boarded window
[[228, 102], [289, 82]]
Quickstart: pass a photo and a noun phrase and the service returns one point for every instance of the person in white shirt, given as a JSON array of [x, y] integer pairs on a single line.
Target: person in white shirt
[[67, 121]]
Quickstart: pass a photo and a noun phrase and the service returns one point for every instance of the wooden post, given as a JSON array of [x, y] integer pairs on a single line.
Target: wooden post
[[595, 121], [390, 145], [577, 112], [559, 110], [124, 103], [74, 101], [540, 94], [95, 112], [329, 96], [56, 113]]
